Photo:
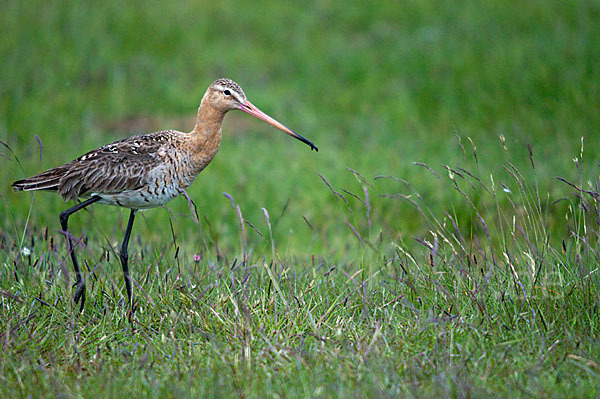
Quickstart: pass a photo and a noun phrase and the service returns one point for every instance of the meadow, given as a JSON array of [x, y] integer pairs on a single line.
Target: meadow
[[443, 242]]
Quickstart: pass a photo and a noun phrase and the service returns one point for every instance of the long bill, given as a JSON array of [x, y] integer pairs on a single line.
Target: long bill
[[249, 108]]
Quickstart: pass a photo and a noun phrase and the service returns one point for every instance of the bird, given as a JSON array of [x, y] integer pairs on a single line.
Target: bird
[[145, 171]]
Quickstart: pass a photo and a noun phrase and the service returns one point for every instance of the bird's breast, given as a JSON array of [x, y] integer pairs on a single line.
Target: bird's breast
[[165, 182], [202, 146]]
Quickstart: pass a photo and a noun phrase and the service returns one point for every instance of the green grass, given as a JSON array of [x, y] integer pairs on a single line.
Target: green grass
[[471, 273]]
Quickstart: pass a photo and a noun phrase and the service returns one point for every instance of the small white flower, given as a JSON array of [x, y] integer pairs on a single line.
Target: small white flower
[[25, 251]]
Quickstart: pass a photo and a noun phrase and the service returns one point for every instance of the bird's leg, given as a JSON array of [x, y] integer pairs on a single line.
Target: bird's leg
[[64, 222], [124, 257]]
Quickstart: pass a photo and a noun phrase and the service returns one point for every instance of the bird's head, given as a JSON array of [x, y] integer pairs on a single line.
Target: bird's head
[[226, 95]]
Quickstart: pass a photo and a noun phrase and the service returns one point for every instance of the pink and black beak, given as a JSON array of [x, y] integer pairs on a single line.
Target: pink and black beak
[[249, 108]]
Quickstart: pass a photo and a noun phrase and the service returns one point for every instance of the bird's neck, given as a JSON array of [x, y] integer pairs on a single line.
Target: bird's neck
[[205, 139], [209, 119]]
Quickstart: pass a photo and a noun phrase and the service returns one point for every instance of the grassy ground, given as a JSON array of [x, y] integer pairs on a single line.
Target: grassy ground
[[427, 250]]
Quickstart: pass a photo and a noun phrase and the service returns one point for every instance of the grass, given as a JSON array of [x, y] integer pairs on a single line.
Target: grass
[[428, 249]]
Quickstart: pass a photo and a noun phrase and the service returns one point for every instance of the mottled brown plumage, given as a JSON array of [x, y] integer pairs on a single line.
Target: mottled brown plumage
[[148, 170]]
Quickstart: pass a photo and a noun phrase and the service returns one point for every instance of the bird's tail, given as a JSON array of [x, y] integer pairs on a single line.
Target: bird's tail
[[48, 180]]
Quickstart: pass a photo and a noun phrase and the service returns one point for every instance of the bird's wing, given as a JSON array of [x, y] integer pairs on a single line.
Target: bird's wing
[[119, 166], [111, 173], [148, 144]]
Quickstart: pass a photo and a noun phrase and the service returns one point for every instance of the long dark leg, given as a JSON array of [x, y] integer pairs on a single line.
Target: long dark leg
[[64, 222], [124, 257]]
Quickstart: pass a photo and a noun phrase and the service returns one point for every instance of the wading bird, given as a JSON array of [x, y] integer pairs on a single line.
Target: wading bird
[[145, 171]]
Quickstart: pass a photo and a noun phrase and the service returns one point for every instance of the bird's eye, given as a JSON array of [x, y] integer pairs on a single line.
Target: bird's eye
[[227, 92]]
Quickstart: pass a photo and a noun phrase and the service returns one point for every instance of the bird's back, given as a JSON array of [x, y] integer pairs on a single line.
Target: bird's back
[[137, 172]]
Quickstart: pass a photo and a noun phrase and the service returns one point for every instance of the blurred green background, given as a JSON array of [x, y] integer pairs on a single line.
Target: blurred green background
[[376, 85]]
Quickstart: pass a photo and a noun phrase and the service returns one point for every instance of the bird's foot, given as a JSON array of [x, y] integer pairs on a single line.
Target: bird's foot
[[131, 312], [79, 294]]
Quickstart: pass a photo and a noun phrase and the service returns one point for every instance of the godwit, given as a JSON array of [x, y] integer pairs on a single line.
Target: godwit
[[145, 171]]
